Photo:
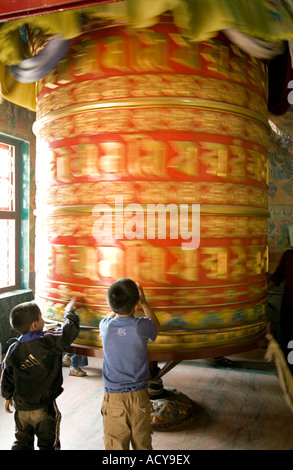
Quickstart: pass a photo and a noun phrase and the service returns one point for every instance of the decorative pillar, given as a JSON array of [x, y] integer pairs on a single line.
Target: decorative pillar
[[140, 117]]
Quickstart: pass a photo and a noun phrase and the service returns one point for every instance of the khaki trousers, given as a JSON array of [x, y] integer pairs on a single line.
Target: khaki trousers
[[127, 419]]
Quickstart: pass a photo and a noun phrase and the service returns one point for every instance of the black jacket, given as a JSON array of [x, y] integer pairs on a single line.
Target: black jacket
[[32, 367]]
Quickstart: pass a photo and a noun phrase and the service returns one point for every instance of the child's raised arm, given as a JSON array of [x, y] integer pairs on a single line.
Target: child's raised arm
[[148, 311]]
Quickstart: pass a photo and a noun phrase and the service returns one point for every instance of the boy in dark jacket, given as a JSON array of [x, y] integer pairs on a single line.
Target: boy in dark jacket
[[32, 375]]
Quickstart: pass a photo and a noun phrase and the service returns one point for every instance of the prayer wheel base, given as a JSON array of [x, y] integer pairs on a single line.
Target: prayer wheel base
[[84, 348], [171, 410]]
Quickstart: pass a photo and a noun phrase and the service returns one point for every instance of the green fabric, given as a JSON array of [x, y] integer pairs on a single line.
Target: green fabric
[[202, 19], [198, 20], [18, 93]]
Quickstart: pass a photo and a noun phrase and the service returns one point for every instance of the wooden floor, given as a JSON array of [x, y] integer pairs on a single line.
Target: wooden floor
[[240, 408]]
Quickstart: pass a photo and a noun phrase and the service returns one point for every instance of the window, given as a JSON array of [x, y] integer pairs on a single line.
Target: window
[[9, 214]]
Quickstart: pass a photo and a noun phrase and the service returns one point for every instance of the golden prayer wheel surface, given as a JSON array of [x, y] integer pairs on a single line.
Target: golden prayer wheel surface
[[143, 139]]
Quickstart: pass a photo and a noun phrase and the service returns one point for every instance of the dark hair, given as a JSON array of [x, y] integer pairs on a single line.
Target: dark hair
[[23, 315], [122, 296]]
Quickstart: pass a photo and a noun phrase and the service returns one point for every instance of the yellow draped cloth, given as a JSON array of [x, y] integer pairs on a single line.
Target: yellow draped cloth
[[199, 20]]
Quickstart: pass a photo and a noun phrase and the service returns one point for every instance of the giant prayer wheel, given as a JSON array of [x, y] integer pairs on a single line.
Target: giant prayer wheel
[[133, 127]]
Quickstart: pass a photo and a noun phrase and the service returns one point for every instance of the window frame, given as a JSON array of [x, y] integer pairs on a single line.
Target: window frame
[[14, 215]]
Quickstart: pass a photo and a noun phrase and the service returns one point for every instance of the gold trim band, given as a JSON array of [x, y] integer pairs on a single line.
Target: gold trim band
[[150, 103], [160, 287], [204, 210], [195, 306]]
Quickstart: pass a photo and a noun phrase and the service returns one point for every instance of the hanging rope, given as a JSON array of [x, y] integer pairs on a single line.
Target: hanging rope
[[285, 377]]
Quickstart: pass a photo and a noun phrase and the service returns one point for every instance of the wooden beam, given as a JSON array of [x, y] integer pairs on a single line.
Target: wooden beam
[[23, 8]]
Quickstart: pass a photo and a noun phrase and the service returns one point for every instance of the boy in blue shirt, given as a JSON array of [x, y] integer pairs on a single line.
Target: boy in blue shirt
[[126, 406]]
